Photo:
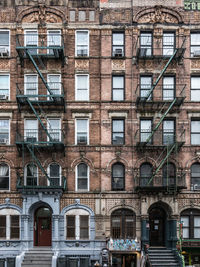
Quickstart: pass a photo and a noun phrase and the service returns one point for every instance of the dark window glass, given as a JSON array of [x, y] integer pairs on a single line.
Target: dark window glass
[[169, 174], [145, 44], [118, 44], [117, 131], [146, 174], [71, 226], [54, 174], [14, 227], [2, 226], [168, 132], [82, 177], [118, 178], [195, 176], [31, 174], [84, 226], [4, 176]]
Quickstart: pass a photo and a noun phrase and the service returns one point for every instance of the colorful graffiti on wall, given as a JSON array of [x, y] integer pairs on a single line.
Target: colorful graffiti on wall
[[123, 244]]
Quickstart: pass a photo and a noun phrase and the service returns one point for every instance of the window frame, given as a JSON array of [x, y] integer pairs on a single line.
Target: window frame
[[144, 177], [8, 140], [60, 173], [174, 132], [76, 43], [122, 177], [76, 131], [191, 46], [8, 212], [9, 37], [8, 177], [194, 177], [174, 43], [191, 90], [48, 39], [147, 46], [113, 45], [25, 174], [118, 89], [170, 178], [124, 130], [150, 98], [174, 87], [7, 95], [25, 84], [191, 214], [196, 133], [49, 130], [88, 87], [150, 120], [49, 82], [88, 179], [37, 39]]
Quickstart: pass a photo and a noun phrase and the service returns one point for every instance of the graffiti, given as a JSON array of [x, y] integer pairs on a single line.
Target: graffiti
[[123, 244], [192, 4]]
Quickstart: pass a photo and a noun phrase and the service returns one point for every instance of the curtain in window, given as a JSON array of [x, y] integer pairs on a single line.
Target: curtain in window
[[4, 170]]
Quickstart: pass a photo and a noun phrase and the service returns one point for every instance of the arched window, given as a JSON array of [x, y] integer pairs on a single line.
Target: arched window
[[82, 177], [123, 224], [195, 176], [55, 174], [118, 176], [4, 177], [190, 219], [31, 174], [145, 174], [169, 174], [9, 224]]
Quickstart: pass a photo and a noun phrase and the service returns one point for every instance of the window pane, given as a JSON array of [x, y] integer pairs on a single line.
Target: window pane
[[195, 170], [118, 95], [118, 38], [84, 262], [81, 125], [82, 38], [54, 170], [84, 225], [185, 232], [146, 39], [195, 95], [185, 221], [195, 39], [118, 170], [82, 81], [82, 170], [2, 226], [70, 226], [195, 126], [118, 125], [195, 82], [4, 85], [4, 176], [14, 233], [81, 15], [118, 82], [4, 38]]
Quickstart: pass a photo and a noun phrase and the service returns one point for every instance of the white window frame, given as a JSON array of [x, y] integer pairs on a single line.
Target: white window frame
[[7, 30], [25, 173], [76, 137], [26, 34], [88, 87], [25, 84], [88, 179], [48, 81], [88, 42], [48, 127], [2, 119], [28, 119], [7, 74], [194, 98], [60, 171], [6, 190], [77, 213], [8, 212], [48, 39]]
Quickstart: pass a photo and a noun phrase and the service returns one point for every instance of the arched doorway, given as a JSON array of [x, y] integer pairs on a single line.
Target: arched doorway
[[157, 224], [42, 226]]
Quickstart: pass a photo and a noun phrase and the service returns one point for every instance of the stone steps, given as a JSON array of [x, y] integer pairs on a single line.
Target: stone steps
[[38, 257], [162, 257]]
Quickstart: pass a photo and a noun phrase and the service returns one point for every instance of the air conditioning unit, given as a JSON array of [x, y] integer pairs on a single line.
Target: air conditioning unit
[[3, 141], [196, 187], [4, 52], [118, 52], [3, 97], [196, 53], [82, 53], [82, 140]]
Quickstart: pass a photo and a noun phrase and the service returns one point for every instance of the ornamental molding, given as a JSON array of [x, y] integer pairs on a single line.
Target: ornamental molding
[[158, 14]]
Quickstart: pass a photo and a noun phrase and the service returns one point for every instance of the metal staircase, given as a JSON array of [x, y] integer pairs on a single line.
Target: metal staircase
[[49, 140]]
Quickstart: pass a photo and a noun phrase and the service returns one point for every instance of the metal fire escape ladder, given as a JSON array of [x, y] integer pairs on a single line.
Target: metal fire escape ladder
[[161, 74]]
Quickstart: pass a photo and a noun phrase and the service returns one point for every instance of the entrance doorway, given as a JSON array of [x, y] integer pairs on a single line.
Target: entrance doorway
[[124, 260], [157, 219], [42, 227]]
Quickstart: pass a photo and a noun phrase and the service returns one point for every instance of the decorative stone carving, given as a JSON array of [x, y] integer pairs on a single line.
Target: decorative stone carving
[[118, 64], [195, 64], [116, 15], [82, 64]]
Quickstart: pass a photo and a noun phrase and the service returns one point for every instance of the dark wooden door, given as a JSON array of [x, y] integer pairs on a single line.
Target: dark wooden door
[[157, 227], [44, 231]]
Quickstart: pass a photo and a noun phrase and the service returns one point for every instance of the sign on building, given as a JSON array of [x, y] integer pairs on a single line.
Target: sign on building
[[192, 4]]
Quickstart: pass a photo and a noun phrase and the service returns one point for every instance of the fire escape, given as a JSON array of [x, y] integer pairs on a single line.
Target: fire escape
[[150, 100], [39, 100]]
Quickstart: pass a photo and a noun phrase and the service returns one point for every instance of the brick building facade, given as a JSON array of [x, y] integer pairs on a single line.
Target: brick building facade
[[99, 130]]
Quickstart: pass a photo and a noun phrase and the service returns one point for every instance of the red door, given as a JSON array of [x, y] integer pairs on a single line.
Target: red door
[[42, 236]]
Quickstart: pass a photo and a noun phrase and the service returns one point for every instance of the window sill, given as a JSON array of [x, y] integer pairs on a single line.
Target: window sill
[[81, 57], [123, 57]]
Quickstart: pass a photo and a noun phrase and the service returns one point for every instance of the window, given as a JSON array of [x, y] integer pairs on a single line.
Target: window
[[146, 172], [4, 86], [4, 176], [72, 15], [55, 174], [82, 179], [54, 129], [195, 45], [168, 132], [168, 88], [169, 174], [195, 88], [195, 176], [82, 43], [82, 87], [31, 40], [9, 224], [168, 44], [118, 176], [53, 39], [118, 137], [81, 15], [77, 224], [145, 130], [146, 44], [31, 130], [82, 130], [145, 87], [4, 43], [4, 131], [54, 83], [195, 132], [118, 88], [191, 223], [118, 44], [31, 85], [31, 175], [91, 15], [123, 224]]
